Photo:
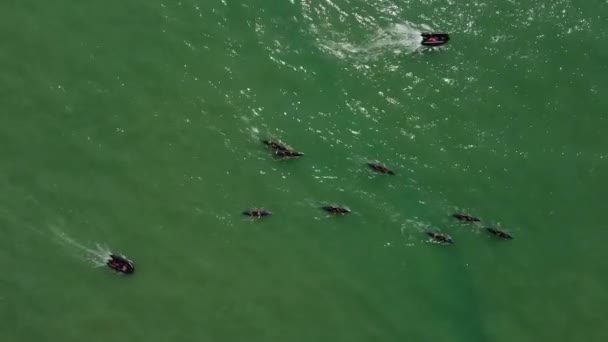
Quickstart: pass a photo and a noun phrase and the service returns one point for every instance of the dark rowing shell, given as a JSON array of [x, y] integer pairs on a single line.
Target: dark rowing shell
[[281, 150], [257, 212], [277, 145], [441, 238], [499, 233], [466, 218], [335, 209], [288, 153], [380, 168]]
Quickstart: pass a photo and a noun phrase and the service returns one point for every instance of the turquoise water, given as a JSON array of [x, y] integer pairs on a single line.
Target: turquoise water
[[134, 127]]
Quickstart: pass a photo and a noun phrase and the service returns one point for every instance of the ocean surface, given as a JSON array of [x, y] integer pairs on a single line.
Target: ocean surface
[[134, 127]]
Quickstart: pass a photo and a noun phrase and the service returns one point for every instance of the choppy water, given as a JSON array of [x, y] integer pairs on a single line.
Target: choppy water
[[134, 127]]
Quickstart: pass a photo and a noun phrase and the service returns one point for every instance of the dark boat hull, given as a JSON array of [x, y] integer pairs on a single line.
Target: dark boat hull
[[120, 264], [257, 213], [335, 210], [432, 39], [465, 218], [498, 233], [380, 168], [440, 238], [281, 150]]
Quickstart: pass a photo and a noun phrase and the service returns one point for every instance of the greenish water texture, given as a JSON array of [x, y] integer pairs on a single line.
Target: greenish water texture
[[134, 127]]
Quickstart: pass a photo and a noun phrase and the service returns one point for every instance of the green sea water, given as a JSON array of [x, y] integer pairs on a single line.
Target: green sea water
[[134, 127]]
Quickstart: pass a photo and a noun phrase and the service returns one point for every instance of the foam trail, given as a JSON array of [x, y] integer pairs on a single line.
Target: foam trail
[[98, 255], [403, 38], [399, 37]]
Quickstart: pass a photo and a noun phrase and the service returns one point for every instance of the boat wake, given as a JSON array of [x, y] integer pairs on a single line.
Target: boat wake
[[98, 255], [404, 38]]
